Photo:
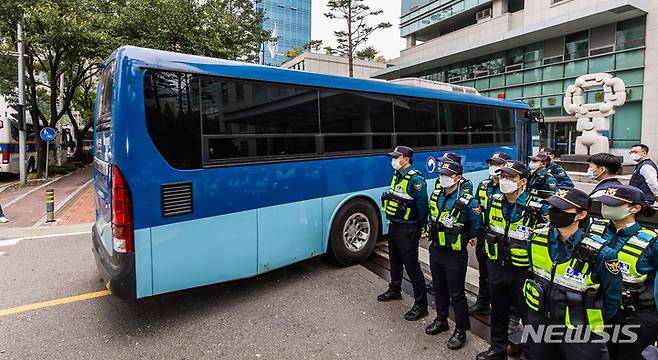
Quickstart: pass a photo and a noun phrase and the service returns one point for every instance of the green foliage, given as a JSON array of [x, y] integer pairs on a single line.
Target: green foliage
[[313, 45], [368, 53], [294, 52], [355, 14], [228, 29]]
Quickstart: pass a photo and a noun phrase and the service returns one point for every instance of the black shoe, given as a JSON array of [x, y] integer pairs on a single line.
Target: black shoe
[[389, 295], [417, 312], [457, 340], [479, 309], [491, 355], [437, 326]]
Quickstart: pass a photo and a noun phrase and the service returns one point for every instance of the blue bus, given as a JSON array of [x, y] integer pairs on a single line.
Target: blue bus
[[208, 170]]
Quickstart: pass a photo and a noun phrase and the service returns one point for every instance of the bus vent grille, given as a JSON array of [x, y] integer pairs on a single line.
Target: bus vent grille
[[176, 199]]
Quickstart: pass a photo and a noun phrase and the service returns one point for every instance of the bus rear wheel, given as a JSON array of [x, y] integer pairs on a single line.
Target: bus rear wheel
[[354, 232]]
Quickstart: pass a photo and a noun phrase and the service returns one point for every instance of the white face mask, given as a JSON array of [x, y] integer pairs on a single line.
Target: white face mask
[[591, 175], [533, 166], [614, 213], [446, 181], [395, 163], [636, 156], [508, 186], [493, 169]]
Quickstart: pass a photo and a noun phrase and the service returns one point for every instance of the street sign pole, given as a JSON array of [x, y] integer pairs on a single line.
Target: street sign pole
[[47, 134], [47, 156], [21, 102]]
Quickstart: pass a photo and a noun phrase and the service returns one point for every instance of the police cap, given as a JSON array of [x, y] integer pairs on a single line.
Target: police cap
[[514, 167], [568, 198], [622, 194], [402, 151]]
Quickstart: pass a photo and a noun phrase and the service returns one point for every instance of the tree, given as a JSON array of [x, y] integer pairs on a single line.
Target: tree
[[67, 38], [355, 13], [294, 52], [314, 46], [227, 29], [84, 102], [368, 53], [380, 59]]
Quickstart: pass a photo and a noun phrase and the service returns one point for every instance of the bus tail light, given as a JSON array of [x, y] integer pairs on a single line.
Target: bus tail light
[[122, 227], [5, 156]]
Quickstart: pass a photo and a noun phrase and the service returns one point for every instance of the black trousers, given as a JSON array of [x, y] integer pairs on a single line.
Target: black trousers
[[647, 334], [403, 251], [448, 276], [483, 286], [505, 284], [561, 351]]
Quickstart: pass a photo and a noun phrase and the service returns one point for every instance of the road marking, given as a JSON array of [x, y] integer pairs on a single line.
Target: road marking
[[35, 189], [49, 303], [10, 242]]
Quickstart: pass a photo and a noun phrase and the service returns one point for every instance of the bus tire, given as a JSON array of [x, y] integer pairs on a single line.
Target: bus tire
[[31, 165], [354, 232]]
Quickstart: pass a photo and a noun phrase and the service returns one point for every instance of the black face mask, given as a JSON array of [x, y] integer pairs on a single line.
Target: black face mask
[[559, 218]]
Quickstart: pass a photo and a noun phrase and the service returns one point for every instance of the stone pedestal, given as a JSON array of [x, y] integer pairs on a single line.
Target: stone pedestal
[[578, 163]]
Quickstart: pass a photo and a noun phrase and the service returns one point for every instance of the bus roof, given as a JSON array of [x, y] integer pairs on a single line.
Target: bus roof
[[165, 60]]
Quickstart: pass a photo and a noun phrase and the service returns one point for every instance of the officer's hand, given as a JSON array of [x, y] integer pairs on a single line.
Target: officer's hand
[[472, 241]]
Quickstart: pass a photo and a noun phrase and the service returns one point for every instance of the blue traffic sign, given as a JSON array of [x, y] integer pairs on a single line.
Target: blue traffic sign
[[47, 134]]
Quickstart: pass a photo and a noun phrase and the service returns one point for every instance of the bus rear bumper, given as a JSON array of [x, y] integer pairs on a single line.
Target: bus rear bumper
[[117, 271]]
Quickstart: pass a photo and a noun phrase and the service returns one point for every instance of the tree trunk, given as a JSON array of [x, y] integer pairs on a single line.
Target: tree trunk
[[350, 50], [79, 142]]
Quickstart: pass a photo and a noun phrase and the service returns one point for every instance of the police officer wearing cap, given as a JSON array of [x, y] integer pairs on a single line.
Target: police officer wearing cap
[[575, 280], [465, 184], [563, 180], [512, 216], [542, 183], [637, 251], [455, 217], [487, 188], [406, 208]]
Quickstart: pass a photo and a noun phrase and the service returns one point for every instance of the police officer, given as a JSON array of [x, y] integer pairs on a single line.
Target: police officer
[[465, 184], [406, 208], [563, 180], [486, 189], [575, 280], [455, 217], [637, 251], [542, 183], [512, 215]]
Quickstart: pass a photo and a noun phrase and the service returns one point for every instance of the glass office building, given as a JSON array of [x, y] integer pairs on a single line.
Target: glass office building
[[526, 50], [293, 26]]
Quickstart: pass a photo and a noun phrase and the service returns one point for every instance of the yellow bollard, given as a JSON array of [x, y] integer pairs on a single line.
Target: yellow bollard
[[50, 205]]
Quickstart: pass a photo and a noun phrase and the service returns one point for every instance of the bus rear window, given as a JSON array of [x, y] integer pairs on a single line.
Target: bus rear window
[[105, 93]]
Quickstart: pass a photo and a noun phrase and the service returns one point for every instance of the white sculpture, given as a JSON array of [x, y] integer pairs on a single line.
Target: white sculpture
[[593, 119]]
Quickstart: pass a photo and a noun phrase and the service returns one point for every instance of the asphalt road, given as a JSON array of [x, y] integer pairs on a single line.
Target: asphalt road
[[309, 310]]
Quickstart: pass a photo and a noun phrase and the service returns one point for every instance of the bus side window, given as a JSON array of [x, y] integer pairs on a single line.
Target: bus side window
[[14, 130]]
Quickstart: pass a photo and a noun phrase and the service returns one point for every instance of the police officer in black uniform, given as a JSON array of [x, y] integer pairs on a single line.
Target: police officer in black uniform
[[455, 218], [512, 216], [486, 189], [406, 208]]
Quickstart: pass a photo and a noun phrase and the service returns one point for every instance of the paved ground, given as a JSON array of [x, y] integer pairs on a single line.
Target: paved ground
[[80, 209], [309, 310], [25, 206]]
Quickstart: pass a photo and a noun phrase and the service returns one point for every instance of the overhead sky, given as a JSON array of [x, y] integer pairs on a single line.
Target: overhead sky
[[387, 41]]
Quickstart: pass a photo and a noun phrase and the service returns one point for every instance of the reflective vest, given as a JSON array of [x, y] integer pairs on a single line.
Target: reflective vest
[[565, 292], [483, 196], [637, 290], [397, 203], [507, 242], [445, 229], [538, 186]]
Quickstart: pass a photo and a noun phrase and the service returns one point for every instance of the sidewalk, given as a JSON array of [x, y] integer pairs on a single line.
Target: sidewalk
[[31, 208], [80, 209]]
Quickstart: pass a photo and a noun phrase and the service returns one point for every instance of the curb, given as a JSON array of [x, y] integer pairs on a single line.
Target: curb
[[65, 202]]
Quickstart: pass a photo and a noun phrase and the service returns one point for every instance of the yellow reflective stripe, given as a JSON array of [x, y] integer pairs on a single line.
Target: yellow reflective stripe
[[595, 320], [407, 213]]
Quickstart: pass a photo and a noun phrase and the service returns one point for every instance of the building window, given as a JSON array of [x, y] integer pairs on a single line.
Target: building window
[[576, 46], [631, 33], [515, 5], [532, 56]]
